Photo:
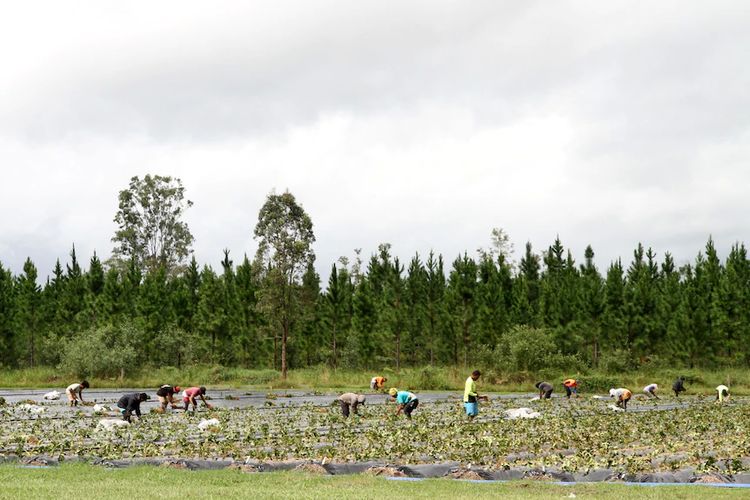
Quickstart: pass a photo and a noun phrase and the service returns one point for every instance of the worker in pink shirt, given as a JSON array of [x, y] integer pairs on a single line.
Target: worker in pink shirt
[[189, 397]]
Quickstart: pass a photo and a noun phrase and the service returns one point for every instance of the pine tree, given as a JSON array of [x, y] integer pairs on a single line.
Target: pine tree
[[416, 316], [210, 317], [436, 315], [592, 304], [7, 315], [28, 297], [250, 342], [462, 296]]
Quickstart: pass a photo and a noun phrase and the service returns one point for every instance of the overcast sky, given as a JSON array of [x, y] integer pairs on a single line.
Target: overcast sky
[[422, 124]]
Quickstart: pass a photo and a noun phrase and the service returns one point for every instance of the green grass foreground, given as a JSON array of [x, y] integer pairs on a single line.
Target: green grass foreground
[[87, 481], [416, 379]]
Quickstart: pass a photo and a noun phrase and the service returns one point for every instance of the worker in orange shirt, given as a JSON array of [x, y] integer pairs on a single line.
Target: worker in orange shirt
[[378, 383], [571, 387]]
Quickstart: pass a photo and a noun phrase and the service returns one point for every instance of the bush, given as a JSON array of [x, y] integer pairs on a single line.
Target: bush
[[617, 361], [104, 352], [431, 379], [529, 348], [598, 383]]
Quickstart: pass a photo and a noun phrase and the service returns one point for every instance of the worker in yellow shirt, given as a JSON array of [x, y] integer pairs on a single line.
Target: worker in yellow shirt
[[722, 393], [471, 397]]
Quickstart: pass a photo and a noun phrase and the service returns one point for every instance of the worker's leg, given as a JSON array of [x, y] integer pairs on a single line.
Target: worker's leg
[[410, 407], [345, 409], [625, 403], [568, 392], [472, 410], [548, 394]]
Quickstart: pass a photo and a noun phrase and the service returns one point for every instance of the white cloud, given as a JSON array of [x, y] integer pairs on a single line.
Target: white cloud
[[423, 124]]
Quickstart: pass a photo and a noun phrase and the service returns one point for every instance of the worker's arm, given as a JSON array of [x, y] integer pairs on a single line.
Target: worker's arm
[[398, 410], [80, 394], [138, 410], [208, 405]]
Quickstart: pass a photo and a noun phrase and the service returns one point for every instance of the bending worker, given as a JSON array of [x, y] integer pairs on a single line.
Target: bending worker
[[75, 392], [131, 403], [722, 392], [407, 401], [351, 401], [545, 389], [471, 397], [678, 386], [189, 397], [165, 394], [622, 396], [378, 383], [571, 387], [650, 390]]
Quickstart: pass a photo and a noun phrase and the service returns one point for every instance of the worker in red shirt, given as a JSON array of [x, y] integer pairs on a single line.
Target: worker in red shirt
[[189, 397]]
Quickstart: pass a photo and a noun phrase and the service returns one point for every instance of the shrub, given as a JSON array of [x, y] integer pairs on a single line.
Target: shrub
[[594, 383], [528, 347], [617, 361], [104, 352]]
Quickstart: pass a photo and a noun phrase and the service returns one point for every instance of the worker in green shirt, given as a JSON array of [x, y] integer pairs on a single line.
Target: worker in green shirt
[[471, 397]]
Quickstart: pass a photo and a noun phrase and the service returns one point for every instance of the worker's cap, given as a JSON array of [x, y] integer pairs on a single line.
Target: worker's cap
[[612, 392], [392, 391], [177, 388], [361, 398], [143, 396], [203, 390]]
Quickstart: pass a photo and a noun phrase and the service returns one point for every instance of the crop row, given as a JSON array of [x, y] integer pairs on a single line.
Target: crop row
[[572, 437]]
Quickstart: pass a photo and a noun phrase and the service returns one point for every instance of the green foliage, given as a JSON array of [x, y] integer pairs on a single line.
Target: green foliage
[[527, 348], [285, 236], [598, 383], [545, 315], [103, 352], [617, 361], [151, 231]]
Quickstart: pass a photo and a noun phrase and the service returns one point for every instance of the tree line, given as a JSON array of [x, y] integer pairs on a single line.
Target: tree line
[[545, 311]]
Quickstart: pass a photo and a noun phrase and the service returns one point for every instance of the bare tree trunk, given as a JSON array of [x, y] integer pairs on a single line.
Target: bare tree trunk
[[284, 337], [398, 351], [334, 345], [275, 349]]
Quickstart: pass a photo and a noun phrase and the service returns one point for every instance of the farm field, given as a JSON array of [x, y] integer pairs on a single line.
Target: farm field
[[686, 440]]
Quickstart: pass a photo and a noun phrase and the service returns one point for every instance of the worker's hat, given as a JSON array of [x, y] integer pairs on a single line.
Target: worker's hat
[[393, 391]]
